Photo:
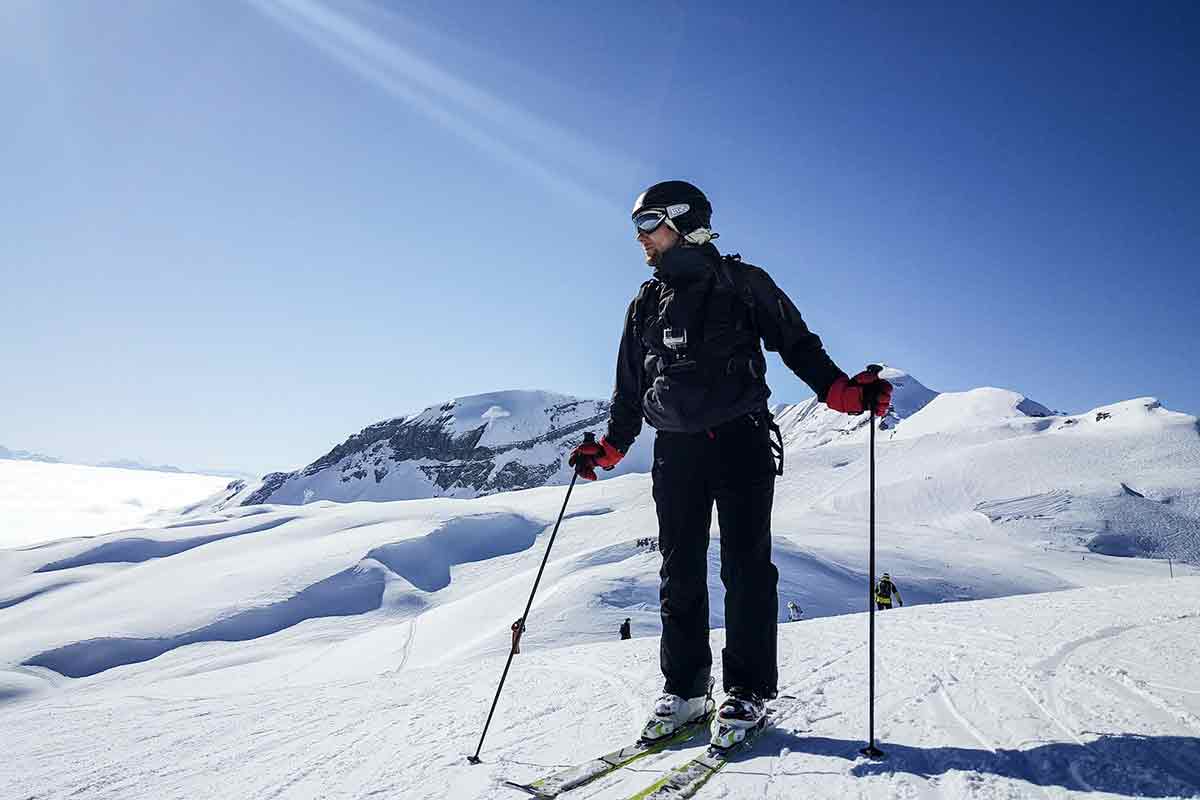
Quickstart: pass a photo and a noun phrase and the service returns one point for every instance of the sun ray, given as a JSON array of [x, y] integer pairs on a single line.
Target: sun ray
[[494, 125]]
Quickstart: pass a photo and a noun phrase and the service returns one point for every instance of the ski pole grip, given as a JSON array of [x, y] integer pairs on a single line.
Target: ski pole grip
[[871, 390]]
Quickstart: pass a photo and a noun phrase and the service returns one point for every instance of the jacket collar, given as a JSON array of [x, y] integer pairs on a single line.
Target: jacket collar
[[685, 263]]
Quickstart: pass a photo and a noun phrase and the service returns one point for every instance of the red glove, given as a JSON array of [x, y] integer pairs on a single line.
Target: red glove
[[590, 455], [846, 395]]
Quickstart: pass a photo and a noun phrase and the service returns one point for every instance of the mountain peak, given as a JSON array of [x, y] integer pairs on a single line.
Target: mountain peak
[[465, 447]]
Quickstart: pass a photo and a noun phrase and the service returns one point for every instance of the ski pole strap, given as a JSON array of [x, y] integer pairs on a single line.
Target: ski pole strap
[[776, 439]]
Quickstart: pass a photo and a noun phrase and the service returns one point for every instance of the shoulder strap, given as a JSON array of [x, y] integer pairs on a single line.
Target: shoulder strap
[[734, 275], [650, 287]]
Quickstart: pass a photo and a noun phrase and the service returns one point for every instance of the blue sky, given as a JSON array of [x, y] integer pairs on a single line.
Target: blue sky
[[234, 233]]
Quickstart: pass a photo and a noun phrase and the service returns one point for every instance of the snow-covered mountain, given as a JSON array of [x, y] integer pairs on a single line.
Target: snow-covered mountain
[[26, 455], [812, 424], [466, 447], [1062, 479], [137, 463], [502, 441], [122, 463]]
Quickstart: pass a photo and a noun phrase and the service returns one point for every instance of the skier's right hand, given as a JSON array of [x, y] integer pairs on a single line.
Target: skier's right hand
[[589, 455]]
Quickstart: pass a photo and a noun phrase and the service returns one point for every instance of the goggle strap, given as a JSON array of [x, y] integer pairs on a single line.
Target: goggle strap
[[700, 236]]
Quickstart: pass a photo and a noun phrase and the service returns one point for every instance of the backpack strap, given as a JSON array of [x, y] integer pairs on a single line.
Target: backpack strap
[[652, 287], [731, 273], [734, 276]]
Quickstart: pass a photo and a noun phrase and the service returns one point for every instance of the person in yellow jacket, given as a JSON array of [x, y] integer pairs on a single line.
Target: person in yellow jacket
[[884, 591]]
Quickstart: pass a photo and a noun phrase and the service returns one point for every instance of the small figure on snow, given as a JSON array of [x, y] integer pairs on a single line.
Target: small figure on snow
[[625, 632], [691, 364], [794, 611], [518, 628], [884, 591]]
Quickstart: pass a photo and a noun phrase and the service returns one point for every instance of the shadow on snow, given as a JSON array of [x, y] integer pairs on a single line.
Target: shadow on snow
[[352, 591], [138, 549], [424, 562], [1124, 763]]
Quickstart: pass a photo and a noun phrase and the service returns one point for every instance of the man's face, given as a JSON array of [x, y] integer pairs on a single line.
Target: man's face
[[657, 242]]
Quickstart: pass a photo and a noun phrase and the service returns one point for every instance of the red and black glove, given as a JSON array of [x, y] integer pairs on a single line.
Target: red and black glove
[[847, 394], [590, 455]]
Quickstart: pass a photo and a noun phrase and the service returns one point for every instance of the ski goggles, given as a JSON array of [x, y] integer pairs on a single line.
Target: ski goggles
[[648, 221]]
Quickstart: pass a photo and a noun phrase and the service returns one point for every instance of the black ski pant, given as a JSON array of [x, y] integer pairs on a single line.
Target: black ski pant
[[732, 465]]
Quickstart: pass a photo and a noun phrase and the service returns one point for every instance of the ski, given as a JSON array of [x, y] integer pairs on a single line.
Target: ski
[[687, 778], [573, 777]]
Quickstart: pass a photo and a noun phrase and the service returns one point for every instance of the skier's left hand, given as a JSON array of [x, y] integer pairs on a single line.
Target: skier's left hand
[[589, 455], [847, 394]]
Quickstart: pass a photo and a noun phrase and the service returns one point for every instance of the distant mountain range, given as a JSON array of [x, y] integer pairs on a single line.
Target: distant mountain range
[[120, 463], [501, 441], [26, 455]]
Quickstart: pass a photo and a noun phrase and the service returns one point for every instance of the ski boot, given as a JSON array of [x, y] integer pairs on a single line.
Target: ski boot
[[741, 712], [672, 712]]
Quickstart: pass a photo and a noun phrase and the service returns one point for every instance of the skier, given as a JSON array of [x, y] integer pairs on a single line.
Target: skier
[[518, 628], [884, 590], [625, 632], [794, 611], [691, 363]]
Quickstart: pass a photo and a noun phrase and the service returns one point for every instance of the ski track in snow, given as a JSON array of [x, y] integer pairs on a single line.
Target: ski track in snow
[[953, 721]]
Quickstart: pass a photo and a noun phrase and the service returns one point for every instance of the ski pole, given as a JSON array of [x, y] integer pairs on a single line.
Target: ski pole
[[871, 751], [587, 437]]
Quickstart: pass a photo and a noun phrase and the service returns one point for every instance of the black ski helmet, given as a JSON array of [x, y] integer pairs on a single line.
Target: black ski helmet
[[688, 210]]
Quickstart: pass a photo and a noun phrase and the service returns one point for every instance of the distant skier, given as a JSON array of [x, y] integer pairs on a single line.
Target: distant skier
[[625, 632], [794, 611], [691, 364], [884, 591], [518, 628]]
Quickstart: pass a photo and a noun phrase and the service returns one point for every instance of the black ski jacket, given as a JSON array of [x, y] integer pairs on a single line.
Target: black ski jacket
[[691, 351]]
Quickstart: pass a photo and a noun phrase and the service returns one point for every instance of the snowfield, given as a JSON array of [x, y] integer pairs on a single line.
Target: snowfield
[[40, 502], [352, 649], [1081, 693]]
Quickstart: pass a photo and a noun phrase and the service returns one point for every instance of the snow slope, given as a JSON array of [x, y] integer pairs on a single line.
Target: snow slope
[[44, 501], [350, 650], [1053, 695]]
